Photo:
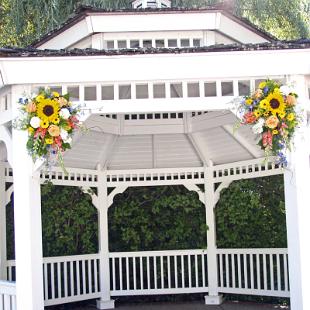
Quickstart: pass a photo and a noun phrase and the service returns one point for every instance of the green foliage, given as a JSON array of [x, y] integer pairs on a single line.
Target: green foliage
[[157, 218], [69, 221], [251, 214]]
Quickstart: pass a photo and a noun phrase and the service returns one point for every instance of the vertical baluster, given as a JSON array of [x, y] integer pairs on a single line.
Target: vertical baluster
[[278, 273], [162, 272], [233, 271], [176, 271], [141, 273], [127, 273], [285, 272], [252, 271], [182, 271], [78, 283], [52, 281], [1, 302], [221, 271], [59, 279], [96, 275], [265, 271], [169, 271], [65, 279], [45, 281], [90, 276], [148, 270], [203, 269], [120, 274], [189, 263], [271, 272], [155, 271], [245, 270], [258, 272], [83, 262], [196, 271], [71, 279], [14, 303], [239, 271], [6, 302], [134, 273]]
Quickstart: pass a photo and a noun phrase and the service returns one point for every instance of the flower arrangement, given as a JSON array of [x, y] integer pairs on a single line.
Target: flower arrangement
[[50, 121], [271, 110]]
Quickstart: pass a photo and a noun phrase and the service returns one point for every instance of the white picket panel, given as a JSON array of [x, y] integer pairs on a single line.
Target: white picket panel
[[241, 271], [7, 295], [254, 272]]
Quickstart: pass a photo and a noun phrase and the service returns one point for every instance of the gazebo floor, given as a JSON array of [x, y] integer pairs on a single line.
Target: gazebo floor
[[190, 306]]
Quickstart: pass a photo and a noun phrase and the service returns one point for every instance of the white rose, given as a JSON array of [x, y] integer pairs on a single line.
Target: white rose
[[68, 140], [258, 127], [64, 113], [35, 122], [64, 134], [285, 90]]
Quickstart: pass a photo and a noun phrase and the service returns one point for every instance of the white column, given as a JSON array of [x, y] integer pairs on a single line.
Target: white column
[[3, 250], [210, 201], [28, 231], [105, 302], [297, 201]]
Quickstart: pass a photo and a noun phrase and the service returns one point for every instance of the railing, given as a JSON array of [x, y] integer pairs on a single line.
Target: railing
[[254, 271], [159, 272], [241, 271], [7, 295]]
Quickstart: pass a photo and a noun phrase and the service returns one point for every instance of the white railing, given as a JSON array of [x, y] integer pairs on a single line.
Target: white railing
[[254, 271], [159, 272], [241, 271], [68, 279], [7, 295]]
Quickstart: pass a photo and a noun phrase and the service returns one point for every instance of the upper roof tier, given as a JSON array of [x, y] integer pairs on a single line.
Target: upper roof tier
[[156, 28], [142, 4]]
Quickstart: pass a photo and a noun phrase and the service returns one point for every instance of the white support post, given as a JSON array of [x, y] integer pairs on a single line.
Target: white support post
[[297, 202], [3, 250], [210, 201], [105, 301], [28, 227]]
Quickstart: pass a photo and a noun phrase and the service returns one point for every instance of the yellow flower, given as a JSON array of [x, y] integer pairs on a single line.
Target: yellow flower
[[291, 117], [55, 94], [263, 104], [275, 132], [266, 113], [54, 131], [272, 122], [257, 113], [282, 114], [275, 103], [48, 140], [39, 98], [44, 123], [248, 101], [30, 130], [262, 85], [48, 109], [277, 90], [56, 120]]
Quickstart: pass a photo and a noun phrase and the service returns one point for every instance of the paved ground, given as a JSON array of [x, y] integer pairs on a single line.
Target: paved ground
[[191, 306]]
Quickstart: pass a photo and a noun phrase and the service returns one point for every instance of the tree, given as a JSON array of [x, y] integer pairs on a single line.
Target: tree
[[24, 21]]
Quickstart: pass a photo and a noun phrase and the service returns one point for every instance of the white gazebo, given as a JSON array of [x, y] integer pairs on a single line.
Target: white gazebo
[[157, 89]]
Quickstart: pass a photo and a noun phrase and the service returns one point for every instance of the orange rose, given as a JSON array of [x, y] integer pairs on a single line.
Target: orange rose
[[62, 101], [31, 107], [249, 118], [272, 122], [258, 93], [54, 131], [291, 100]]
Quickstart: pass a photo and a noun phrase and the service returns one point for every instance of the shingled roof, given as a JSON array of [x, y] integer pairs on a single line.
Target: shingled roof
[[84, 11], [33, 52]]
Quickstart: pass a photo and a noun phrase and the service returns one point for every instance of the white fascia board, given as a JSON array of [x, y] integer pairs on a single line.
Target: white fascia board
[[219, 65], [74, 34], [237, 31], [137, 22]]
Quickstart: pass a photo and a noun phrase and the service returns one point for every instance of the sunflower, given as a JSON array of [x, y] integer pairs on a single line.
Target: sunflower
[[263, 104], [275, 103], [44, 123], [257, 113], [291, 117], [48, 109]]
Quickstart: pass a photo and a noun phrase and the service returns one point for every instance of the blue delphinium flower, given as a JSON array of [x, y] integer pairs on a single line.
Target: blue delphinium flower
[[282, 159], [266, 89]]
